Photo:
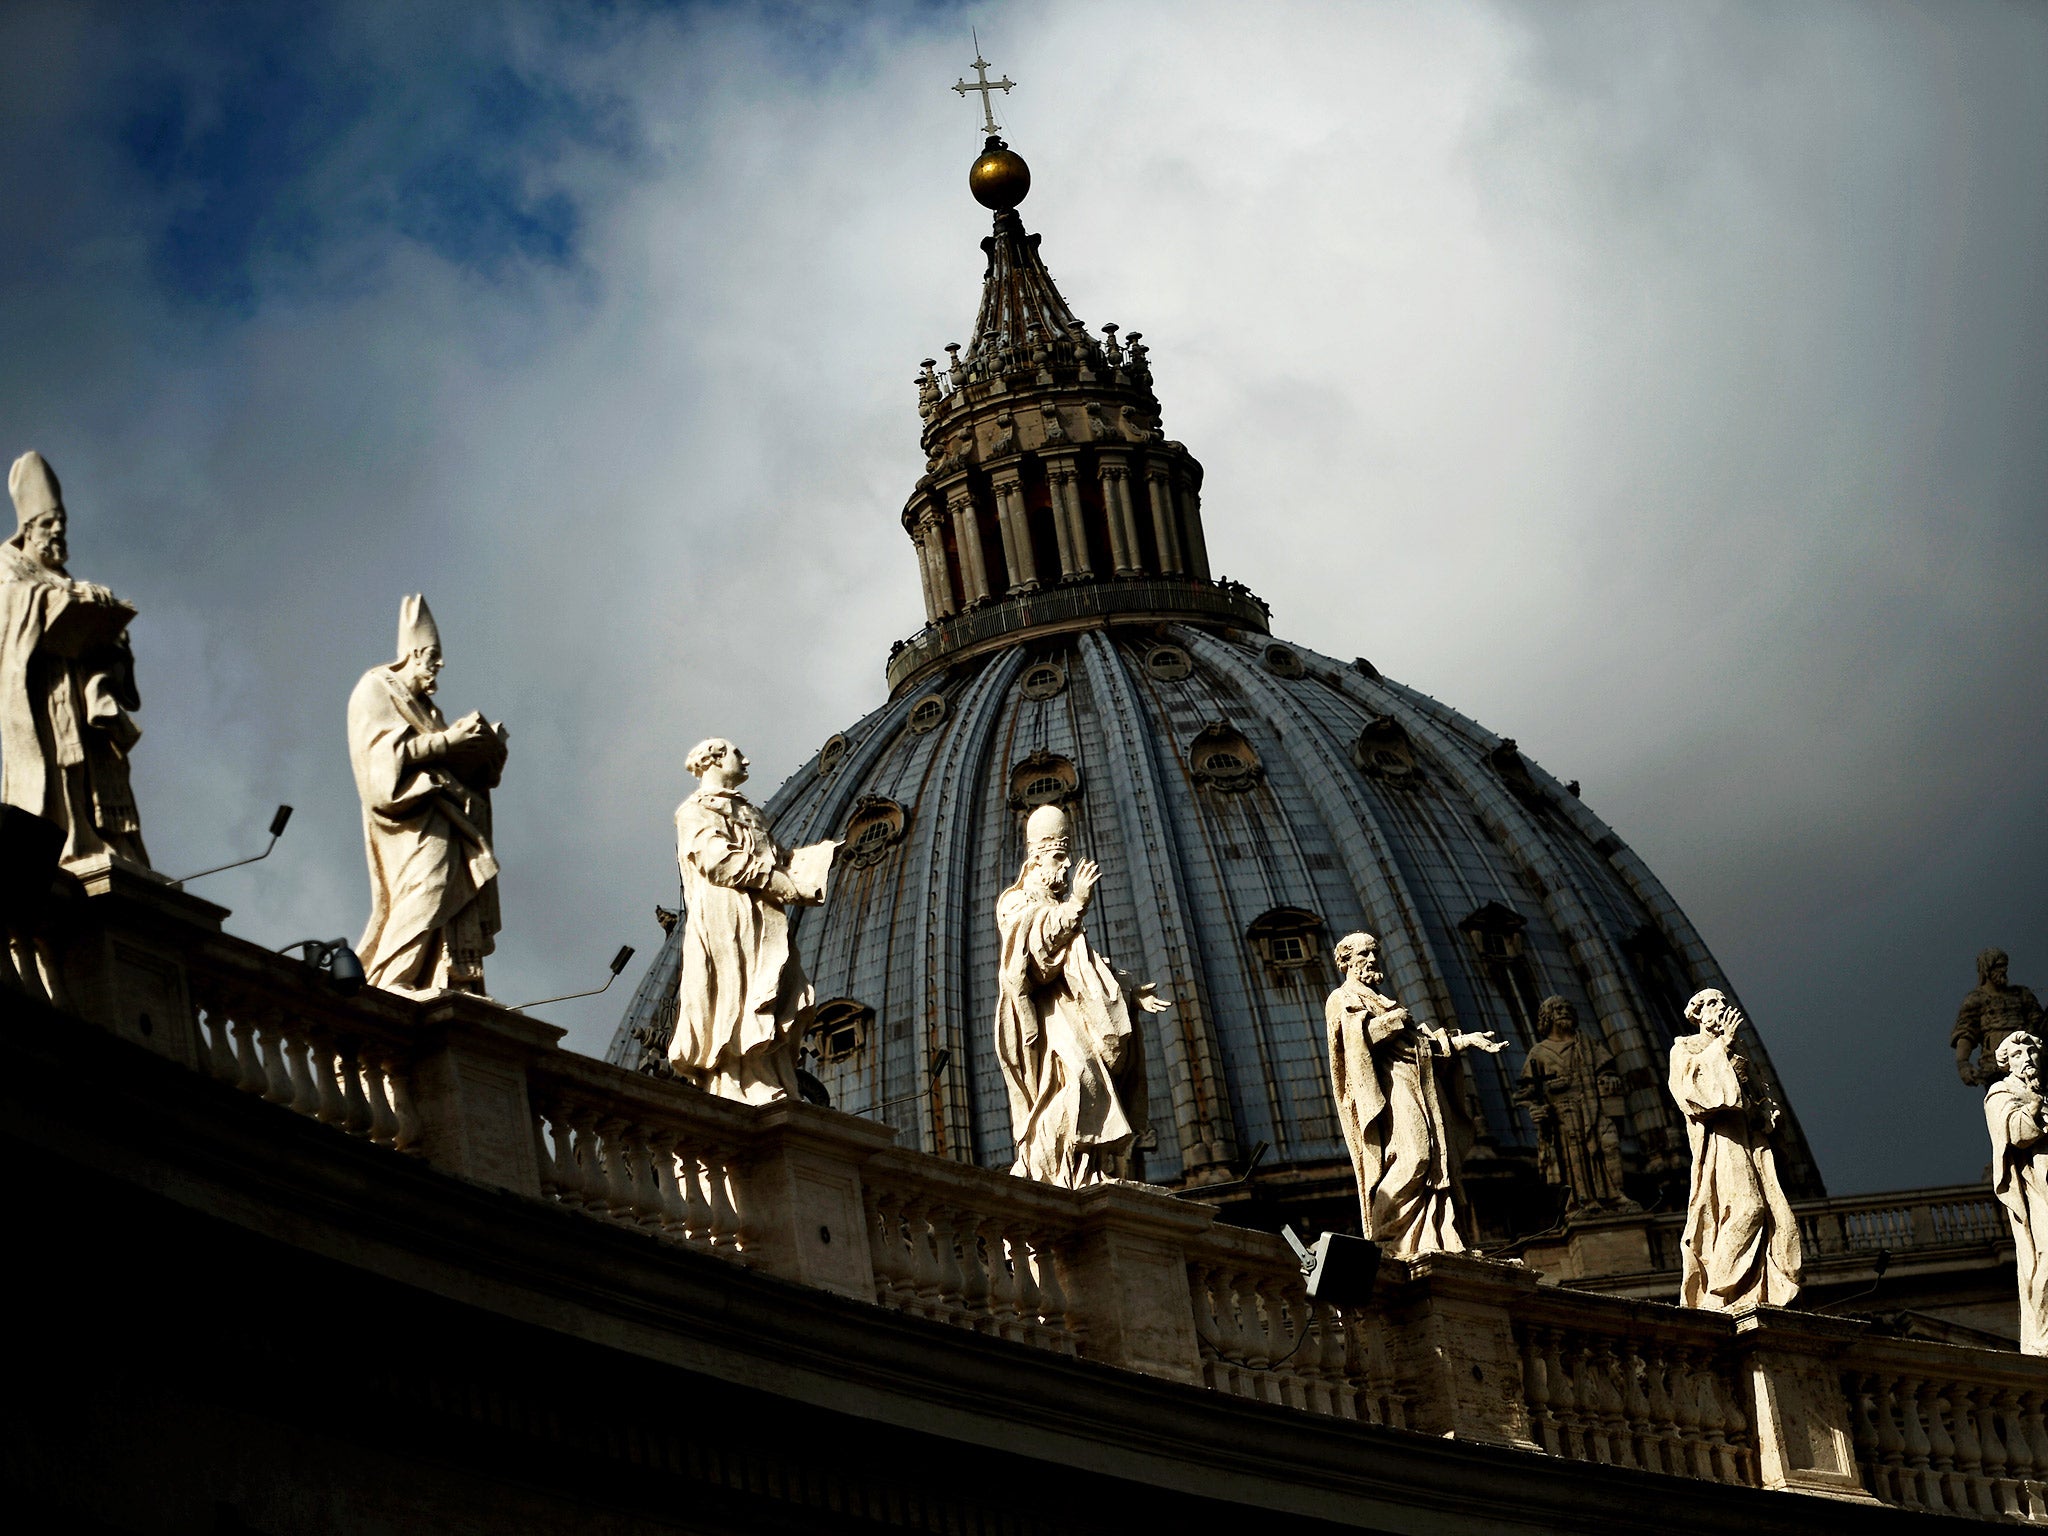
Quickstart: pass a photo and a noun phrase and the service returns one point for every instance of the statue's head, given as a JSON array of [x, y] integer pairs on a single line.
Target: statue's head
[[2020, 1054], [419, 646], [1557, 1017], [1713, 1012], [1048, 849], [1991, 966], [1358, 956], [719, 763], [38, 511]]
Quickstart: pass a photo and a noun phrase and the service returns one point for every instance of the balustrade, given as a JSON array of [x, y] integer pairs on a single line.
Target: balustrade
[[1929, 1438]]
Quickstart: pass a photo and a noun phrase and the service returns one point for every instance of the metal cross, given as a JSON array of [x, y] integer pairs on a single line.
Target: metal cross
[[984, 85]]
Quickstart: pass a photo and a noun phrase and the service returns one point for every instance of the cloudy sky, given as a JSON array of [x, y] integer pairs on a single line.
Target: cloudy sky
[[1664, 386]]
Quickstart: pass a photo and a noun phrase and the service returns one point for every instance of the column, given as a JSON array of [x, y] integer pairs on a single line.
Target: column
[[1196, 545], [1123, 527], [967, 540], [1160, 488], [939, 581], [1016, 535], [1076, 564]]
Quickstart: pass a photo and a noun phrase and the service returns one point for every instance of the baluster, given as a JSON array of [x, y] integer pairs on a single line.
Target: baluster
[[1536, 1390], [976, 1291], [1706, 1381], [728, 1221], [1665, 1454], [383, 1123], [1919, 1449], [249, 1076], [617, 1194], [1695, 1454], [1741, 1453], [1209, 1342], [405, 1118], [1990, 1478], [2035, 1431], [1332, 1359], [696, 1202], [1972, 1491], [1610, 1437], [1283, 1325], [333, 1109], [1066, 1335], [1638, 1438], [1863, 1432], [1317, 1395], [885, 1243], [1002, 1285], [952, 1278], [305, 1099], [1030, 1299], [1941, 1446], [2001, 1414], [356, 1119], [543, 1149], [220, 1054], [277, 1081], [1897, 1478], [924, 1258]]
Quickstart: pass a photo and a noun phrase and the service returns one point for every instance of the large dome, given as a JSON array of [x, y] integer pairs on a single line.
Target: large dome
[[1249, 801]]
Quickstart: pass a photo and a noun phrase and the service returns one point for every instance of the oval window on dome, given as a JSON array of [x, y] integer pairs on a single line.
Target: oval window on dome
[[1168, 663], [927, 712], [1384, 751], [1043, 778], [1042, 680], [833, 753], [1221, 758], [1283, 662], [875, 827]]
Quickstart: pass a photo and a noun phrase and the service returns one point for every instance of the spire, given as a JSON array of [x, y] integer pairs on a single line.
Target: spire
[[1023, 317]]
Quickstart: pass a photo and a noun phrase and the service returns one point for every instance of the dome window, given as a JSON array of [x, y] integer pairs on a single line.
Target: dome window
[[1043, 778], [1168, 663], [841, 1030], [1495, 932], [1287, 939], [1222, 758], [1383, 750], [1042, 680], [1497, 936], [875, 827], [1282, 662], [927, 712], [833, 753]]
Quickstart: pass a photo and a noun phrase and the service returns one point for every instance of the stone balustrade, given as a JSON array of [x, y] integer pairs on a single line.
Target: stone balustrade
[[1124, 1275]]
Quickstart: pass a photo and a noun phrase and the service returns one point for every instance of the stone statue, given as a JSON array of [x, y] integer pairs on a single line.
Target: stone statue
[[67, 682], [1993, 1010], [1573, 1095], [1404, 1103], [744, 1002], [425, 787], [1741, 1242], [2018, 1120], [1071, 1058]]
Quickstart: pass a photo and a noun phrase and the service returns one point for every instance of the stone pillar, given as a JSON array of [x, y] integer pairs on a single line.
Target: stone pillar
[[967, 540], [124, 967], [1790, 1365], [1123, 528], [470, 1091], [1452, 1333], [1075, 561], [1129, 1271], [1159, 485], [1194, 544], [931, 543], [1016, 535], [801, 1192]]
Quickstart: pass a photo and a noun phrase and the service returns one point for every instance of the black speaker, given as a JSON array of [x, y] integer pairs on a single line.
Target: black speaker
[[29, 846]]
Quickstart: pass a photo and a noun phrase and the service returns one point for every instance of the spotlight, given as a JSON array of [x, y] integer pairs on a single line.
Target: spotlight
[[333, 956], [1339, 1269]]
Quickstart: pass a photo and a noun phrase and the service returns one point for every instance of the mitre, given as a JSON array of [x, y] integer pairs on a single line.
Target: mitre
[[33, 485], [416, 626], [1046, 830]]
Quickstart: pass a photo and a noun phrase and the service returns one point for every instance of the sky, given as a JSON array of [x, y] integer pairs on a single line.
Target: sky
[[1661, 385]]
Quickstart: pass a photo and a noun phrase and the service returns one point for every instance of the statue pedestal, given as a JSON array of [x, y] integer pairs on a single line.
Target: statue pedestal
[[122, 941]]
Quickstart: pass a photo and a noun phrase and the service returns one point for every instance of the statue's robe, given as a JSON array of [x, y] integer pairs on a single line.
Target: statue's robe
[[433, 875], [67, 681], [1072, 1063], [1741, 1245], [1578, 1146], [2019, 1177], [1402, 1100], [744, 1001]]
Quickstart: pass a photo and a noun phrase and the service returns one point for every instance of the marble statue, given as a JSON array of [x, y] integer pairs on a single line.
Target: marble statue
[[1572, 1092], [1741, 1244], [2018, 1120], [744, 1001], [1404, 1102], [67, 683], [1072, 1060], [425, 787], [1994, 1009]]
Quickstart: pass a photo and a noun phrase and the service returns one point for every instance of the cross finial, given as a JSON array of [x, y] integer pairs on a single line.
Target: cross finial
[[984, 85]]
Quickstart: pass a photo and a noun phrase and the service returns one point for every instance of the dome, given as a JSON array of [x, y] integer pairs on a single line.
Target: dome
[[1250, 802]]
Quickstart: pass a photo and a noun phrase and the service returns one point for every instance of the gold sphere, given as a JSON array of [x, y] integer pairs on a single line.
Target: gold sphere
[[1000, 178]]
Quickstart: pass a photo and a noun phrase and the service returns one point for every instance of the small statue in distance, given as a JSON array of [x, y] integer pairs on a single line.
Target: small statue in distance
[[67, 682], [743, 1002], [426, 792], [1741, 1243], [1072, 1059], [2018, 1121], [1402, 1098], [1993, 1010], [1573, 1094]]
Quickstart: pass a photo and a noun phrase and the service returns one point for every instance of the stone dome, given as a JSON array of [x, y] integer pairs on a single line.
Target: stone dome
[[1250, 803]]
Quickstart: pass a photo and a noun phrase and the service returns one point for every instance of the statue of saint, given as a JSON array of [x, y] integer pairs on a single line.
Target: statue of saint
[[2018, 1120], [1071, 1058], [744, 1001], [1573, 1095], [1993, 1010], [67, 682], [1741, 1241], [425, 787], [1404, 1103]]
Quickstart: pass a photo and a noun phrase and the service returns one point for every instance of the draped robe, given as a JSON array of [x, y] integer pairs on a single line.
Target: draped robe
[[1400, 1099], [1741, 1244], [1071, 1060], [2019, 1177], [66, 683], [744, 1001], [433, 875]]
